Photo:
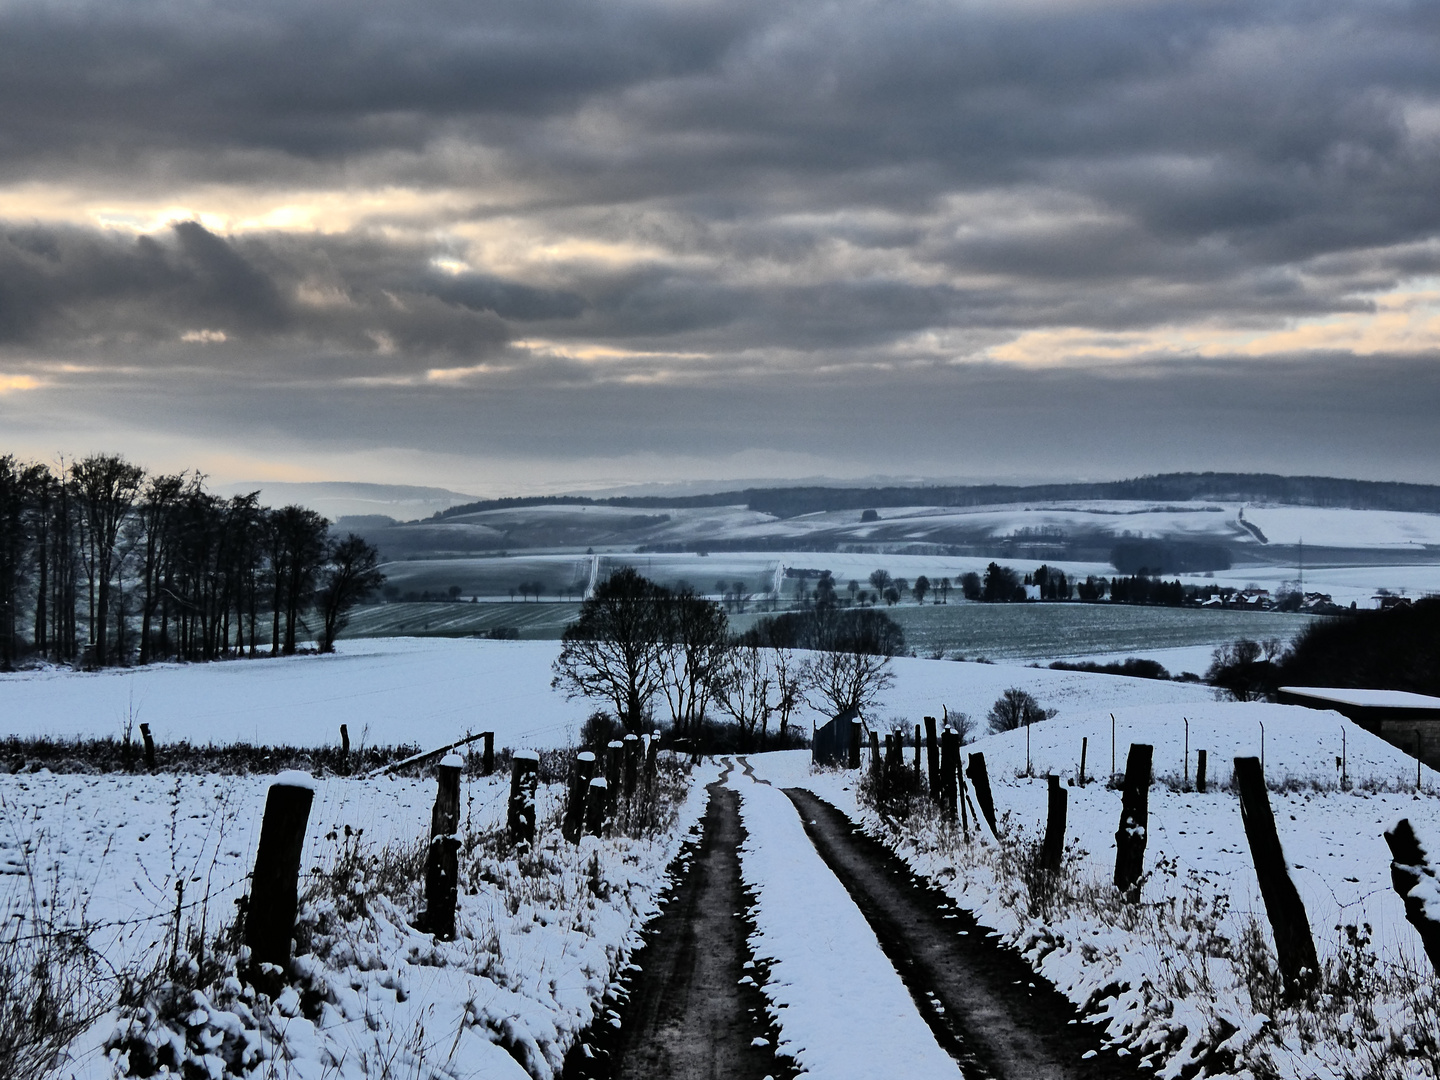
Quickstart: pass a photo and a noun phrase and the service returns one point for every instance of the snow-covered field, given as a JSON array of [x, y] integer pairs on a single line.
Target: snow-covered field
[[1170, 975], [433, 691], [539, 941]]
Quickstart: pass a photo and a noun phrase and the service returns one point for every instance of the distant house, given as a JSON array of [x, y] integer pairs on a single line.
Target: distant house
[[1408, 721]]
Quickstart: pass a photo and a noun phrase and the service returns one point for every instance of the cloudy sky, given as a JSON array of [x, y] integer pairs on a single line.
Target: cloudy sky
[[534, 244]]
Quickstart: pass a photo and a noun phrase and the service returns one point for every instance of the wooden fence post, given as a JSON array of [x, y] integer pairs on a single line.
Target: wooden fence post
[[632, 763], [595, 803], [582, 772], [855, 726], [652, 757], [1410, 866], [1053, 849], [442, 861], [932, 754], [524, 779], [980, 777], [614, 759], [1200, 771], [1134, 827], [1294, 947], [149, 747], [949, 768], [1084, 748], [487, 760], [917, 757], [344, 750], [270, 912]]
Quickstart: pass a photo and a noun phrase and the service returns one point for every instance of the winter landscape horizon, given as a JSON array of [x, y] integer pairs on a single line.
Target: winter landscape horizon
[[653, 540]]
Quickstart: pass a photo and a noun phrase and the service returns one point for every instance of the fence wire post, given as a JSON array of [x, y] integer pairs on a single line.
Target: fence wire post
[[442, 861], [524, 779], [1133, 832], [274, 886]]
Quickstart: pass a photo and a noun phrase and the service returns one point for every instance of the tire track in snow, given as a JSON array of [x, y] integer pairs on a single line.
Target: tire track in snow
[[1010, 1022], [693, 1010]]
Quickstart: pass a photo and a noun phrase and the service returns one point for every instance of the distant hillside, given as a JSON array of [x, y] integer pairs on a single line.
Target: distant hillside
[[787, 502]]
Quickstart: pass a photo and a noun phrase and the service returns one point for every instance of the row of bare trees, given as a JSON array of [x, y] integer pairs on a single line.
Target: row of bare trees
[[101, 563], [636, 643]]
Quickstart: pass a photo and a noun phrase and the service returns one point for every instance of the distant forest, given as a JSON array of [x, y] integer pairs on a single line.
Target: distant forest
[[1169, 487], [101, 564]]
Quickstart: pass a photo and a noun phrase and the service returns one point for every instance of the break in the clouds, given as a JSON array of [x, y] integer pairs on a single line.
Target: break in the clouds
[[1048, 237]]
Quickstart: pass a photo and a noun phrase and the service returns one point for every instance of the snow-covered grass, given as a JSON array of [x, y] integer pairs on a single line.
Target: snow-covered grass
[[143, 873], [1187, 975]]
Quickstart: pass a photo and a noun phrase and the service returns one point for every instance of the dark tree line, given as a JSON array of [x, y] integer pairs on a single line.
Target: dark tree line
[[102, 564]]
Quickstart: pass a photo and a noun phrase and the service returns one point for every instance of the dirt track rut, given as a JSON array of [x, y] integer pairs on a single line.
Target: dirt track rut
[[995, 1015]]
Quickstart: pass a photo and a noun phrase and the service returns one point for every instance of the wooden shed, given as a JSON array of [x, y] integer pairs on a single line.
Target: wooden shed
[[1408, 721]]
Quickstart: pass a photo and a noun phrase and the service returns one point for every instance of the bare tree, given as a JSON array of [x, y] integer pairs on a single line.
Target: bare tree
[[108, 486], [742, 690], [1016, 708], [613, 651], [696, 641], [851, 666], [351, 572]]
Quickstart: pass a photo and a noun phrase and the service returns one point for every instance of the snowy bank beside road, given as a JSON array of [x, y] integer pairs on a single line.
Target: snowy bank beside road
[[1183, 976]]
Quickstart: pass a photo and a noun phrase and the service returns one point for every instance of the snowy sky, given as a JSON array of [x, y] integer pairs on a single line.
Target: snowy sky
[[528, 245]]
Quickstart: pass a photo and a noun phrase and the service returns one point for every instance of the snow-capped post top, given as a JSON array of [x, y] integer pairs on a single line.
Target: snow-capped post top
[[294, 778], [585, 755], [526, 755], [452, 761]]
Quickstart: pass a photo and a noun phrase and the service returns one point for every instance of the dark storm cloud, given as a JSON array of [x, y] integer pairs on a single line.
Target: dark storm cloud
[[827, 194]]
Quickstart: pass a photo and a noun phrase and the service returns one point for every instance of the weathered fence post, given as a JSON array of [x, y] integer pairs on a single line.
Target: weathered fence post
[[442, 861], [980, 777], [652, 757], [595, 802], [932, 754], [877, 763], [1053, 849], [855, 725], [1084, 749], [949, 768], [487, 759], [1200, 771], [1134, 827], [1408, 868], [524, 779], [1294, 947], [149, 747], [581, 773], [270, 913], [632, 763], [344, 749], [614, 757], [917, 757]]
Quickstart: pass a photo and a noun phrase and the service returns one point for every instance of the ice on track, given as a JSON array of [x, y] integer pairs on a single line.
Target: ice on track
[[842, 1010]]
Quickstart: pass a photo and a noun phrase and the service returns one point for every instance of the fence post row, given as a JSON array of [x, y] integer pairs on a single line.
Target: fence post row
[[980, 778], [1410, 866], [1294, 947], [581, 773], [524, 779], [856, 724], [442, 861], [1132, 834], [1053, 849], [270, 912]]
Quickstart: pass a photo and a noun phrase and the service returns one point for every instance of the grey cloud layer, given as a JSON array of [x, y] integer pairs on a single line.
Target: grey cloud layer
[[818, 186]]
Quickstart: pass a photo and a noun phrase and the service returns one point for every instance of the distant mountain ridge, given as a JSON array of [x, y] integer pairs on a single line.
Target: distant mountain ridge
[[785, 502]]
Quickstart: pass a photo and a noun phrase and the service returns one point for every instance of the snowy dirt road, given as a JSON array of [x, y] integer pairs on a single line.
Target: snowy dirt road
[[935, 992]]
